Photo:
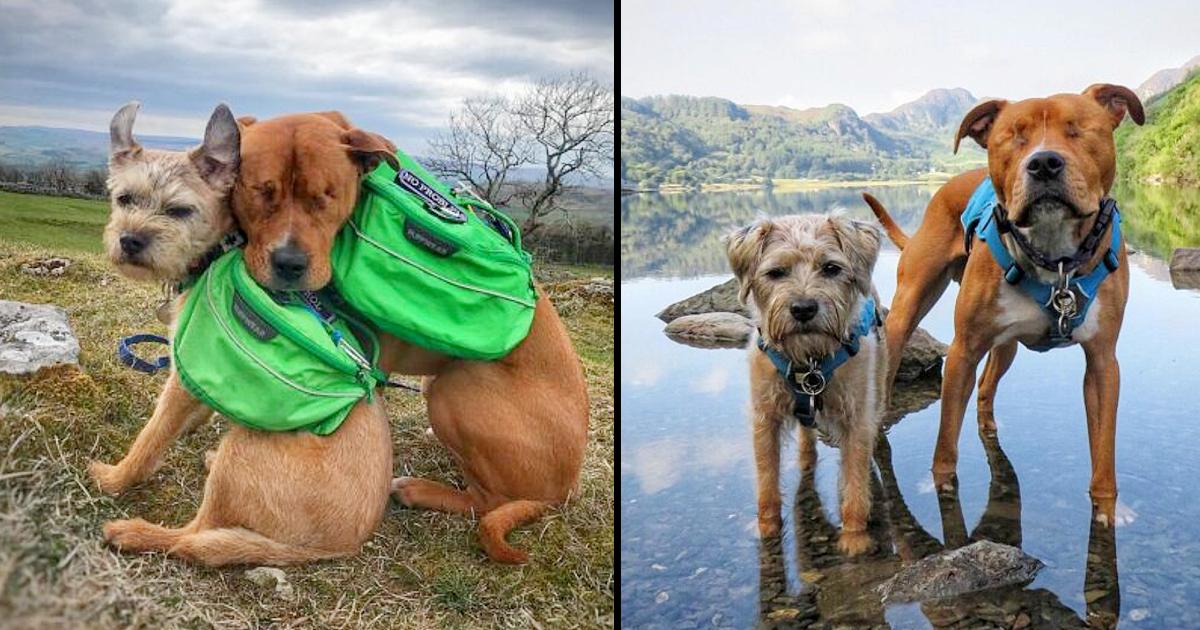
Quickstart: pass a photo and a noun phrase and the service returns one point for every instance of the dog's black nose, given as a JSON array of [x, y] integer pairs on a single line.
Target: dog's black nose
[[804, 310], [289, 263], [132, 243], [1045, 165]]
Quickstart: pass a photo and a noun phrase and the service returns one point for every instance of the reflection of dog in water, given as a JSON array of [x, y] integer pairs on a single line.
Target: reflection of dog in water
[[842, 592]]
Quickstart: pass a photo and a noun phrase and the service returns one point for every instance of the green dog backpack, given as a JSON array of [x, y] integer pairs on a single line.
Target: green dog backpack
[[273, 362], [434, 268]]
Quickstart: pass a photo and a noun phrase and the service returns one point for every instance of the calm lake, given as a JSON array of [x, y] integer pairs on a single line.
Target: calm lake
[[690, 552]]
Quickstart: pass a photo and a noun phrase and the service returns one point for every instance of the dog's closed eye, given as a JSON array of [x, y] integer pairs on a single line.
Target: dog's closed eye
[[179, 212], [777, 273]]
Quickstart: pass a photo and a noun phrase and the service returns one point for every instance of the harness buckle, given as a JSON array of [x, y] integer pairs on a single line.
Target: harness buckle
[[1064, 301], [811, 381]]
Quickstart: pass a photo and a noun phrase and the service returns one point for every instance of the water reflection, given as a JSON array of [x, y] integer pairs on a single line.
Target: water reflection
[[680, 234], [840, 591]]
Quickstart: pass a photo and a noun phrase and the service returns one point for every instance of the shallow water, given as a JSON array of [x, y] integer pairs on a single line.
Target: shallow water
[[690, 552]]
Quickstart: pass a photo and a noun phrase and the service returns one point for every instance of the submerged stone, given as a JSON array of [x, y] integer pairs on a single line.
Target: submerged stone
[[975, 567]]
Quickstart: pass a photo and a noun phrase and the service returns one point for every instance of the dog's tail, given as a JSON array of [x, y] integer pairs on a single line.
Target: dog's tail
[[236, 545], [889, 225], [495, 525]]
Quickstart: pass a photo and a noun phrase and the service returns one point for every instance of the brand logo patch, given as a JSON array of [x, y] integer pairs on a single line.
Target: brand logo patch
[[435, 202], [251, 320], [426, 239]]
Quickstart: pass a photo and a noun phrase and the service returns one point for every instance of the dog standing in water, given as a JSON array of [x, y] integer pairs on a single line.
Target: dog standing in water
[[819, 359], [1051, 163]]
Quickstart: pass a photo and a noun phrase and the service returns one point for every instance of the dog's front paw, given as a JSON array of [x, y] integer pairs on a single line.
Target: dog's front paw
[[853, 543], [769, 520], [107, 477]]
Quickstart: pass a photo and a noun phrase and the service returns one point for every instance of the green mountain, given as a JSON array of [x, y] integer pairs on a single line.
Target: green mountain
[[691, 140], [1167, 148]]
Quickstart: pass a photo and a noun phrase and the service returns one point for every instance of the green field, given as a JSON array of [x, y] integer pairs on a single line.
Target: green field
[[420, 569], [71, 225]]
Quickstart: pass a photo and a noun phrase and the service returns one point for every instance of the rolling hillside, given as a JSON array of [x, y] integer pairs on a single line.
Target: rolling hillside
[[1166, 150], [36, 146]]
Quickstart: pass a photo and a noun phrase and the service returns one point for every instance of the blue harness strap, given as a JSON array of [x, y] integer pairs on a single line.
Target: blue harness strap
[[128, 358], [807, 381], [979, 220]]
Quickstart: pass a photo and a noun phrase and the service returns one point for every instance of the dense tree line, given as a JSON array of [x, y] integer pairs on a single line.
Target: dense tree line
[[689, 140], [1167, 148], [55, 178]]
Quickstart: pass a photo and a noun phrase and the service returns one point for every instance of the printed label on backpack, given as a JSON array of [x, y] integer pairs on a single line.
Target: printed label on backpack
[[436, 203], [251, 320], [420, 236]]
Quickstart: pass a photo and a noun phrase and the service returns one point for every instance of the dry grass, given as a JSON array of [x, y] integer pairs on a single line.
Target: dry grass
[[420, 569]]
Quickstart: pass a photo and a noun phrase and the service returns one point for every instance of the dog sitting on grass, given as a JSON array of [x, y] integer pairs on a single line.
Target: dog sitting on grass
[[819, 358], [270, 498]]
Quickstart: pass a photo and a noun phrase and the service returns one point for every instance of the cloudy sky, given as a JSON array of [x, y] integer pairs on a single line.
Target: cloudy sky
[[876, 54], [395, 67]]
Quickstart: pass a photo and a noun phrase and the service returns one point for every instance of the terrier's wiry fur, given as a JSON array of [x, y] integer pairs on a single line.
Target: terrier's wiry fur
[[172, 203], [270, 498], [783, 262]]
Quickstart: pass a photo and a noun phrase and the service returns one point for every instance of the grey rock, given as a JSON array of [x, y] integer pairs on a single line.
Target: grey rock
[[722, 298], [978, 566], [727, 327], [1185, 268], [271, 577], [35, 336], [46, 267]]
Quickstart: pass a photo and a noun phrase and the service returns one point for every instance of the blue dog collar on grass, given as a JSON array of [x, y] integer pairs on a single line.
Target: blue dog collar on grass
[[128, 358]]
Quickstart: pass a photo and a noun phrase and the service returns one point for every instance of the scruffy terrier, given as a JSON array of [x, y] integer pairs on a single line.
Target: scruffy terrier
[[270, 498], [169, 211], [819, 359], [168, 207]]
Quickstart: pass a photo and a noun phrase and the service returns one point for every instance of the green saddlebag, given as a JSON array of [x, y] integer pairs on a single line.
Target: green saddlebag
[[437, 269], [270, 363]]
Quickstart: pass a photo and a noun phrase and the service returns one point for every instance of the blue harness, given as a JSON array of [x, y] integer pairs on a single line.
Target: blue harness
[[808, 381], [1067, 301]]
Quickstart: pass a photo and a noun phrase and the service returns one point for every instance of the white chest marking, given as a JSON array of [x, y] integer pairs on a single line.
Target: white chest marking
[[1020, 317]]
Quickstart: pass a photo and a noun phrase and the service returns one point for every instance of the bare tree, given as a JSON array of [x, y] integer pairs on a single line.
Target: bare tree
[[564, 125], [483, 145], [570, 122]]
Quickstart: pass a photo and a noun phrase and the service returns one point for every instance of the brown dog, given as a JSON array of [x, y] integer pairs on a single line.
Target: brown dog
[[270, 498], [1052, 161], [516, 426]]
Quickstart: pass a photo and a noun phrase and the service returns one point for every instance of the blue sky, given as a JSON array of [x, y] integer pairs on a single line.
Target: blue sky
[[394, 67], [876, 54]]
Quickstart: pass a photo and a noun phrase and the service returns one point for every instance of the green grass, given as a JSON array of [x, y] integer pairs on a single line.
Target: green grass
[[64, 224], [420, 569]]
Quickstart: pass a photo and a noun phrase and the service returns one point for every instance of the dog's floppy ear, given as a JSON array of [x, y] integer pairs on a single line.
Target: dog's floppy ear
[[122, 146], [978, 122], [246, 121], [744, 247], [1118, 100], [368, 149], [217, 159], [859, 241]]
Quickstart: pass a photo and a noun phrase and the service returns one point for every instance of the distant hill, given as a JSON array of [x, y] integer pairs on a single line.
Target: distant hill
[[690, 140], [1167, 148], [28, 147], [1164, 80], [936, 113], [36, 146]]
